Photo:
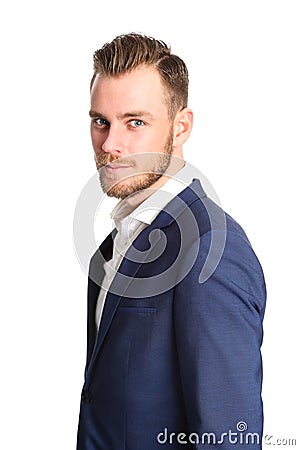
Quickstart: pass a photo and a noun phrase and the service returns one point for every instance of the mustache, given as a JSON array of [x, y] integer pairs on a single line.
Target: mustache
[[103, 159]]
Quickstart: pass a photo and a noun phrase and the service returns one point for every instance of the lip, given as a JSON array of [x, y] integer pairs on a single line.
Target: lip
[[113, 167]]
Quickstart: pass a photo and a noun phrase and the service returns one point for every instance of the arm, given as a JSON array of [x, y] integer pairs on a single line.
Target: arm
[[219, 333]]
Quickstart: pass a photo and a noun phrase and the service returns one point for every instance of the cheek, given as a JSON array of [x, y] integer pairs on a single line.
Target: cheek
[[149, 142]]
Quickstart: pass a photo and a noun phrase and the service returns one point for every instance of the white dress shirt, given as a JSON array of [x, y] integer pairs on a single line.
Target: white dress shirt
[[134, 214]]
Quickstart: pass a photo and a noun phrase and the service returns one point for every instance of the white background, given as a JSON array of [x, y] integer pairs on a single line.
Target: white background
[[243, 58]]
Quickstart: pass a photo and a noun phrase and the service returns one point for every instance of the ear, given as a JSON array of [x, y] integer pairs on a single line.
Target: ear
[[183, 124]]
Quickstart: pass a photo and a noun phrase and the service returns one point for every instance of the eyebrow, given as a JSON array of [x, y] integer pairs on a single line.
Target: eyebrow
[[94, 114]]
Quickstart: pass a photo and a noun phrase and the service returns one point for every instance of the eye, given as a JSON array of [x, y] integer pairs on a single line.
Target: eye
[[100, 123], [136, 123]]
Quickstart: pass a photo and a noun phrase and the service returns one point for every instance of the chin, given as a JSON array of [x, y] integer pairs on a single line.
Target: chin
[[130, 187], [122, 192]]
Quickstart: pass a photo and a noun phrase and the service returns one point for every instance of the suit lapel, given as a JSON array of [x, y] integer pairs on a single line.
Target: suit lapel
[[96, 275], [120, 285]]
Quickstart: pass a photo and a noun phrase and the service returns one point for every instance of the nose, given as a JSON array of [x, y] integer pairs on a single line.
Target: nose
[[113, 142]]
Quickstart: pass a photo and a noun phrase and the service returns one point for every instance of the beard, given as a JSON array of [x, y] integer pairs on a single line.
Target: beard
[[145, 170]]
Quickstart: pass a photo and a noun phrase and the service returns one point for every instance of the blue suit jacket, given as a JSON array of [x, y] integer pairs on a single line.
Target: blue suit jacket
[[176, 362]]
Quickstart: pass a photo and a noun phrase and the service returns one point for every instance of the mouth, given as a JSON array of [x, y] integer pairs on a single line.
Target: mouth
[[115, 167]]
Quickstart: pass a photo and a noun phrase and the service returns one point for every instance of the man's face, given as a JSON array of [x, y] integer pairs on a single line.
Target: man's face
[[132, 134]]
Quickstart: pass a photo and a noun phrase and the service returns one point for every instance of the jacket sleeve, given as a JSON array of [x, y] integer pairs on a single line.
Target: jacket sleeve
[[218, 326]]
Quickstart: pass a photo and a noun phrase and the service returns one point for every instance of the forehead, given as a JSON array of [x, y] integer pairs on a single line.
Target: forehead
[[140, 89]]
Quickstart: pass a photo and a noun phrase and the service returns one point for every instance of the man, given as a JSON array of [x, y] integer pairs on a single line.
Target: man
[[176, 295]]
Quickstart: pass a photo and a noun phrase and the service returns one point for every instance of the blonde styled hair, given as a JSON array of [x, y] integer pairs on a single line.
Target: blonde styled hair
[[132, 51]]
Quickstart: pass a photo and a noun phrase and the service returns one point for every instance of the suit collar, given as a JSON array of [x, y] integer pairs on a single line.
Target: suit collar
[[176, 206]]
